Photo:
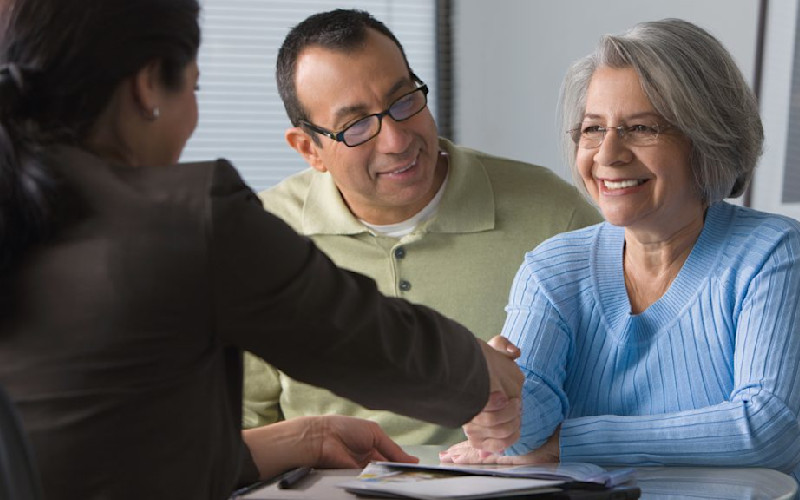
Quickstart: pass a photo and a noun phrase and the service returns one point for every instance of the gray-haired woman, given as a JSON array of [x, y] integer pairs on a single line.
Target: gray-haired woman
[[669, 333]]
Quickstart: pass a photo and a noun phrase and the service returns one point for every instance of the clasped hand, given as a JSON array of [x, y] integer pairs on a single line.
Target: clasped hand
[[497, 426]]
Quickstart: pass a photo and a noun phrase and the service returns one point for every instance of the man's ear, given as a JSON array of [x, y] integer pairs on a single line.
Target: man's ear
[[302, 142], [147, 90]]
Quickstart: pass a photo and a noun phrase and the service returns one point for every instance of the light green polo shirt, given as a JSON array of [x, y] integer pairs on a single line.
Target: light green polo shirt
[[460, 262]]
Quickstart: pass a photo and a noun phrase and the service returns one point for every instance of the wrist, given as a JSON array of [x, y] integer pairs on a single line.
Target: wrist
[[310, 432], [284, 445], [555, 444], [486, 350]]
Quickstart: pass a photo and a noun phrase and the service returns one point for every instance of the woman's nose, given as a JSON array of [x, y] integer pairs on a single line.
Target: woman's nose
[[614, 149]]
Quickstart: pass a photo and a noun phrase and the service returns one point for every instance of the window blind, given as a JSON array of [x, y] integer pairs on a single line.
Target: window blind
[[791, 170], [241, 115]]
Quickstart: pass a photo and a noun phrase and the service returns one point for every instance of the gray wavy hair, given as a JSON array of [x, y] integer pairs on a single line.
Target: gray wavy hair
[[694, 84]]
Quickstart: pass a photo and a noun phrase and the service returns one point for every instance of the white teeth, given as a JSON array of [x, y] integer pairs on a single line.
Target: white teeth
[[621, 184], [401, 170]]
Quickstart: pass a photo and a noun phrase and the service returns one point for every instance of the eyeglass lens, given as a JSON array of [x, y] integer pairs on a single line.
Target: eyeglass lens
[[368, 127], [591, 137]]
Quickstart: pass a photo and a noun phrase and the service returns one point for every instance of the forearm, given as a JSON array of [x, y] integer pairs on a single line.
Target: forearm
[[759, 432], [545, 343], [542, 412]]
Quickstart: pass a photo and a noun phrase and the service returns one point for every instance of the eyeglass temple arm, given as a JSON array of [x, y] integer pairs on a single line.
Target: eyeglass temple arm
[[318, 130]]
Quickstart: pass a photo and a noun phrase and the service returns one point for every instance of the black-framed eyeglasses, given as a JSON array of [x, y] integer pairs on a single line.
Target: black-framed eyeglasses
[[364, 129], [639, 135]]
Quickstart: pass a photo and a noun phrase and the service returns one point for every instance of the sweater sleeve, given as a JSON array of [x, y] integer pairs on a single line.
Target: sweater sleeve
[[535, 326], [278, 296]]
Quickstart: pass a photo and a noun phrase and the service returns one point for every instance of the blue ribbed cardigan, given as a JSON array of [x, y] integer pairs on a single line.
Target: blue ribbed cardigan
[[708, 375]]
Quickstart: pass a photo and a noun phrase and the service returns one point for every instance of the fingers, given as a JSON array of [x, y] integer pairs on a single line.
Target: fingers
[[389, 450], [492, 440], [504, 374], [353, 459], [503, 345], [456, 449], [475, 457], [375, 456], [497, 427], [497, 417], [366, 441], [497, 401], [464, 453], [349, 442]]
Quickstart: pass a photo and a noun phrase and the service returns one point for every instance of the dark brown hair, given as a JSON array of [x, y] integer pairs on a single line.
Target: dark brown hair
[[340, 29], [60, 63]]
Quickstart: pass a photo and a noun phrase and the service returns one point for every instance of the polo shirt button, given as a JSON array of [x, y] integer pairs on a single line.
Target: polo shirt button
[[399, 252], [405, 286]]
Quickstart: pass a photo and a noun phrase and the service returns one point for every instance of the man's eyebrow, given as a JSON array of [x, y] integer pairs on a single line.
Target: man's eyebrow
[[359, 110], [344, 113]]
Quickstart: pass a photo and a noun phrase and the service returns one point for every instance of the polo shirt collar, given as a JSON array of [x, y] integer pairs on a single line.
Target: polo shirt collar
[[324, 210], [467, 204]]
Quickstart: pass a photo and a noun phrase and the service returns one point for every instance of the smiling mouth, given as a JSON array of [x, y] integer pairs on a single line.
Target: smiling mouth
[[401, 169], [623, 184]]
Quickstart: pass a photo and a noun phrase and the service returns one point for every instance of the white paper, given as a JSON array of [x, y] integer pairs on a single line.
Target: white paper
[[460, 487]]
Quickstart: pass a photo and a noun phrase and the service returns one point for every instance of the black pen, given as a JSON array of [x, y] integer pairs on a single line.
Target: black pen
[[291, 478], [248, 489]]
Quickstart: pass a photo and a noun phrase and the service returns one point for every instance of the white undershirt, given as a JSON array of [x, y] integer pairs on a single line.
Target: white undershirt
[[405, 227]]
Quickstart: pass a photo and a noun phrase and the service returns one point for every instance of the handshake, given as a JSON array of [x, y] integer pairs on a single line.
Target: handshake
[[497, 426]]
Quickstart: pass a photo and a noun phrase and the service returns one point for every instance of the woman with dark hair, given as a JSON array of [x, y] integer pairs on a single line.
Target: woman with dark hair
[[667, 335], [129, 284]]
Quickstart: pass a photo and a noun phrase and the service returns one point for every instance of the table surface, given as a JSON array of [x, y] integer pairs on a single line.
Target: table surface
[[655, 482]]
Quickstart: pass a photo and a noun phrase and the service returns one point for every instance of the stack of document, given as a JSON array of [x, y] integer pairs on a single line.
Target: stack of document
[[451, 481]]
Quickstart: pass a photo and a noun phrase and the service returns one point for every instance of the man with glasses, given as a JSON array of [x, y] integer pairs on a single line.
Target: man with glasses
[[431, 222]]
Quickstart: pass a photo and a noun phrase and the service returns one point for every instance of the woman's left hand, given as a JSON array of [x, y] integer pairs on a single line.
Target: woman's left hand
[[464, 453]]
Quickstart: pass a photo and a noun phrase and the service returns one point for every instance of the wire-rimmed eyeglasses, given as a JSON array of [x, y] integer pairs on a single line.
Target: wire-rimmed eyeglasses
[[364, 129], [591, 136]]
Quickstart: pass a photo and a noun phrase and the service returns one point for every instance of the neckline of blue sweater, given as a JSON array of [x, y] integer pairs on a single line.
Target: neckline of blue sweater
[[607, 269]]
